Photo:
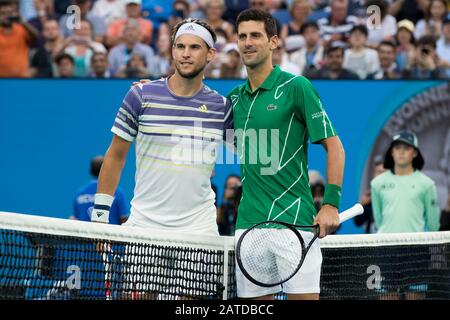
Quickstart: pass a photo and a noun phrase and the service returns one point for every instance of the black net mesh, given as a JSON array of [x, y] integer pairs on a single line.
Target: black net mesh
[[50, 263], [44, 266]]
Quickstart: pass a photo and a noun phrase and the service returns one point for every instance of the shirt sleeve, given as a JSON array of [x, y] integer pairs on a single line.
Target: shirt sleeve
[[126, 123], [431, 209], [376, 206], [311, 110]]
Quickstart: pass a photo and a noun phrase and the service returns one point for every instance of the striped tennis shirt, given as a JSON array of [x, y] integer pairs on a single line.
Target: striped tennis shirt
[[176, 144]]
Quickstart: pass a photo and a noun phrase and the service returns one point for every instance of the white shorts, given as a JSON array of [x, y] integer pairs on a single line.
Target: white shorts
[[306, 280]]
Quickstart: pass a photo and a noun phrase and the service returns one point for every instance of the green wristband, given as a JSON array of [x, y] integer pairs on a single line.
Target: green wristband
[[332, 195]]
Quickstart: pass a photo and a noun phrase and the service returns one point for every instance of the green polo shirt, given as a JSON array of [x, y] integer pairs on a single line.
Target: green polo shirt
[[272, 126]]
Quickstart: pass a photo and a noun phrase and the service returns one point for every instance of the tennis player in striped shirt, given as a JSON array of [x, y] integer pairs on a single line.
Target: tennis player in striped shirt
[[177, 123]]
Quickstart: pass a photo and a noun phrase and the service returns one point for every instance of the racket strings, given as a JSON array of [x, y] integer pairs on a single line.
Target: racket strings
[[271, 255]]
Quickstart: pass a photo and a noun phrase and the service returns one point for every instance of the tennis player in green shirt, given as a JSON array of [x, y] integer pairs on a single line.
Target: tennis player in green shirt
[[275, 115]]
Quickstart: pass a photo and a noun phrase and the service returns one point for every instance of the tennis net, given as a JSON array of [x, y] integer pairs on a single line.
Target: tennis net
[[48, 258]]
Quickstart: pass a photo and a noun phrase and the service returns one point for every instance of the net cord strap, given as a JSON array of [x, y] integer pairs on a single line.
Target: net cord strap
[[89, 230]]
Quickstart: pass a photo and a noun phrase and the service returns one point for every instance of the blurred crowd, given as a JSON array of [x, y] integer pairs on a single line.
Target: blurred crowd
[[321, 39]]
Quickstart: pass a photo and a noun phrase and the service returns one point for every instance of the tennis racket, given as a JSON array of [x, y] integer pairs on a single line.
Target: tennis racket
[[271, 252]]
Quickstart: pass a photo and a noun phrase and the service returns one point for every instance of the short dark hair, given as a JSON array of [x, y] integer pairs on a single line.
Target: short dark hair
[[197, 21], [96, 165], [99, 53], [310, 24], [4, 3], [361, 28], [387, 43], [60, 57], [427, 41], [270, 25], [332, 49], [182, 2]]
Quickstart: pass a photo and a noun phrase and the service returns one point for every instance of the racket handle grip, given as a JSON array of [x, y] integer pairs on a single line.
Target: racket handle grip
[[354, 211]]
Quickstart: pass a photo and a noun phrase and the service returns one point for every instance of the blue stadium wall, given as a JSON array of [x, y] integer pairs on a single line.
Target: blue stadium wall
[[50, 129]]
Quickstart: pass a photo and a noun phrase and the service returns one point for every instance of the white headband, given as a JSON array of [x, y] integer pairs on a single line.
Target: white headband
[[196, 30]]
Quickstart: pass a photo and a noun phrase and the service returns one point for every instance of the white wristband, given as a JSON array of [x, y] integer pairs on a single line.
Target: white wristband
[[103, 199], [102, 205]]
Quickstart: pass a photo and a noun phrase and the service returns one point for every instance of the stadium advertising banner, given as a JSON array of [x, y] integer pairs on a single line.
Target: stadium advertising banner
[[50, 129]]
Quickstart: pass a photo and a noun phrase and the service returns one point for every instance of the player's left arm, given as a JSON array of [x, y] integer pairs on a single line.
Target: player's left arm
[[320, 130], [432, 209], [328, 217]]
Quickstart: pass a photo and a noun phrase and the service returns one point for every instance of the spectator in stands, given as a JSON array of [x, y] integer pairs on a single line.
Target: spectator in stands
[[44, 11], [333, 65], [16, 35], [214, 10], [120, 54], [233, 8], [405, 44], [317, 184], [403, 198], [180, 11], [413, 10], [109, 10], [156, 11], [99, 66], [163, 58], [65, 66], [357, 8], [61, 6], [133, 11], [97, 23], [431, 25], [81, 47], [136, 67], [358, 58], [388, 68], [445, 217], [265, 5], [299, 11], [198, 9], [386, 30], [443, 46], [213, 69], [84, 199], [311, 55], [280, 57], [222, 39], [227, 213], [42, 59], [366, 219], [426, 64], [27, 9], [337, 26], [232, 67]]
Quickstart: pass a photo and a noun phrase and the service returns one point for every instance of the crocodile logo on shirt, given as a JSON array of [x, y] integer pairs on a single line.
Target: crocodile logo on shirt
[[387, 186]]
